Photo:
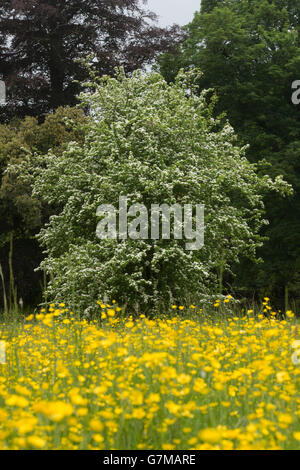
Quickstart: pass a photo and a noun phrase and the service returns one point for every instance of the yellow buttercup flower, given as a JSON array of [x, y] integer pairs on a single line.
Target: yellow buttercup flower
[[36, 442], [210, 435], [96, 425]]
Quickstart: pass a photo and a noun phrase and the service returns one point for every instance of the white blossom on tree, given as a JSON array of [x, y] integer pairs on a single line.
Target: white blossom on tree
[[154, 143]]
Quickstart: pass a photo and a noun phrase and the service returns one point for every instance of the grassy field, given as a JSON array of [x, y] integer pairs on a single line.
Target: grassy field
[[166, 383]]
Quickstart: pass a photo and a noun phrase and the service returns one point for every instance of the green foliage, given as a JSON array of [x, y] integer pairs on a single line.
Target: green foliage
[[250, 54], [22, 214], [154, 143]]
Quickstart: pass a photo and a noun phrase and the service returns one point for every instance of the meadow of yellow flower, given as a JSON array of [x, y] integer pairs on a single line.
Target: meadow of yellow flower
[[168, 383]]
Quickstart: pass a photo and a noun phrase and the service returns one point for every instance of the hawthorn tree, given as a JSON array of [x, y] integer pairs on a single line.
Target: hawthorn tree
[[153, 143], [40, 39]]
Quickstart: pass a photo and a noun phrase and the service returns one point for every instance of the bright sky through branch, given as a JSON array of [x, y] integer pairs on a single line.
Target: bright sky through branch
[[174, 11]]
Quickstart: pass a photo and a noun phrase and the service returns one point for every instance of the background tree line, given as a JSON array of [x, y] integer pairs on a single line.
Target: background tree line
[[249, 53]]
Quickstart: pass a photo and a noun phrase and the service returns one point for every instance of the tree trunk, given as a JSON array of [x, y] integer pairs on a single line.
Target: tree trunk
[[13, 302], [286, 297]]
